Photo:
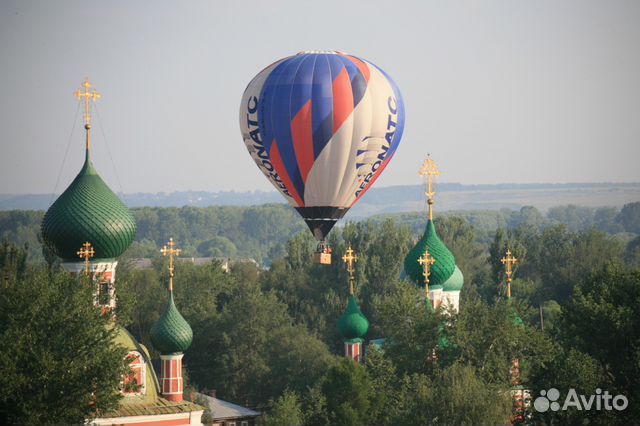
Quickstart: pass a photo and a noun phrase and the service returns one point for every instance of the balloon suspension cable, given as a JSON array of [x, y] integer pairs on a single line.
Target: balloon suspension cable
[[429, 169], [350, 258], [171, 252]]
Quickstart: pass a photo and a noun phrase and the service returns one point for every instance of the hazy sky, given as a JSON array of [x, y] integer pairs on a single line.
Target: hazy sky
[[497, 91]]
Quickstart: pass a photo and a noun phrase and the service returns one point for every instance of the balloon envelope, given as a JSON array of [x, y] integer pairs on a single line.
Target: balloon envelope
[[322, 126]]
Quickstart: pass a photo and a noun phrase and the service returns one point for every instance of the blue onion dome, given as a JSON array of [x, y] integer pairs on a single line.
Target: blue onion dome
[[172, 333], [88, 211], [353, 325]]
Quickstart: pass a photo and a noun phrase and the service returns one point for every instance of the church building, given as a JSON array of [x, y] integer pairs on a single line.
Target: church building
[[88, 227], [429, 263]]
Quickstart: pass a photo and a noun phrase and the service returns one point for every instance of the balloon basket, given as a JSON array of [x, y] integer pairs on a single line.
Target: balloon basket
[[322, 258]]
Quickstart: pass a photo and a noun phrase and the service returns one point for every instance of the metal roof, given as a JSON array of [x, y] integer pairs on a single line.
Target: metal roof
[[227, 410]]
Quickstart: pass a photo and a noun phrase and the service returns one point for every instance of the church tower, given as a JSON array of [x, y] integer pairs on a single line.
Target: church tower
[[88, 226], [352, 325], [519, 394], [441, 278], [171, 336]]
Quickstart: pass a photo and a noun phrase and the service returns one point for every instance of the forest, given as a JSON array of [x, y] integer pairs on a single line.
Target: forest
[[261, 232], [265, 335]]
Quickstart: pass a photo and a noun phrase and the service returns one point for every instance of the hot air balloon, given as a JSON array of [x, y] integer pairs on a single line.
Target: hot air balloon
[[322, 126]]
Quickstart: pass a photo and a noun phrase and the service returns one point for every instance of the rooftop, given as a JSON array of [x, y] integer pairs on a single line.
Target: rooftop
[[159, 406], [227, 410]]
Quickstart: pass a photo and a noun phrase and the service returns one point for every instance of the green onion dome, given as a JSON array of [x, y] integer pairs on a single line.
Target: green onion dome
[[353, 325], [88, 211], [454, 282], [441, 270], [172, 333]]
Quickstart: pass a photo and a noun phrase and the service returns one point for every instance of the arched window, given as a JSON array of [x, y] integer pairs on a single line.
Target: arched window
[[133, 382]]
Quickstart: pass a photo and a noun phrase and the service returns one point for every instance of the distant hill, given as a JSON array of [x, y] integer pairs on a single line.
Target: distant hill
[[160, 199], [455, 196], [392, 199]]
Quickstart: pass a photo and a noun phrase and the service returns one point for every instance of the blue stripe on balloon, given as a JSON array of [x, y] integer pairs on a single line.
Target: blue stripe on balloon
[[302, 85], [265, 108], [335, 65], [358, 82], [277, 96], [322, 135], [282, 118], [322, 104]]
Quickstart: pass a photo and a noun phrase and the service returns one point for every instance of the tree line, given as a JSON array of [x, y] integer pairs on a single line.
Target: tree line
[[268, 338], [261, 232]]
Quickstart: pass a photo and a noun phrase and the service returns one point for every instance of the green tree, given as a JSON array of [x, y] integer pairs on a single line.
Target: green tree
[[463, 398], [629, 217], [505, 239], [314, 294], [141, 249], [575, 218], [140, 300], [632, 253], [603, 321], [258, 351], [529, 218], [217, 247], [488, 338], [286, 410], [381, 248], [410, 328], [22, 228], [13, 262], [554, 260], [315, 406], [347, 389], [59, 363], [414, 401], [604, 220], [200, 291], [471, 256], [384, 379], [568, 369]]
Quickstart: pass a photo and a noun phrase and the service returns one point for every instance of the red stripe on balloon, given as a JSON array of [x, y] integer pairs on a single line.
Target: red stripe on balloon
[[303, 139], [364, 69], [276, 160], [373, 179], [342, 99]]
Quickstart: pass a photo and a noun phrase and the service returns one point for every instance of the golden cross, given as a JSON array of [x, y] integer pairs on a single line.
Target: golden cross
[[86, 252], [171, 251], [508, 262], [429, 169], [426, 260], [87, 95], [350, 258]]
